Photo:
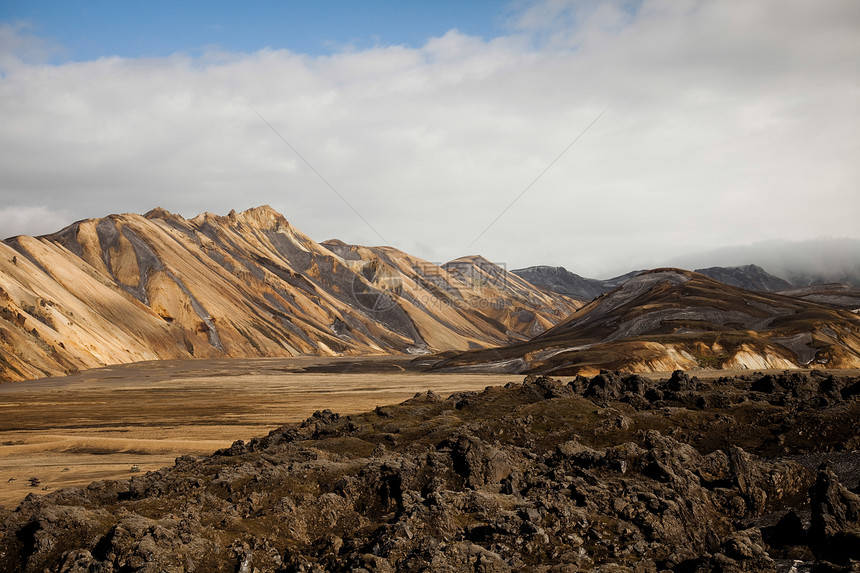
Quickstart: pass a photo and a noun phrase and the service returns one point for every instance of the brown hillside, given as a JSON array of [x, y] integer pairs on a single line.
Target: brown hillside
[[666, 319], [126, 288]]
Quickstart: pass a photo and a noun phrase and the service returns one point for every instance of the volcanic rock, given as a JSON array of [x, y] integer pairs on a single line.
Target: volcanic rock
[[533, 476]]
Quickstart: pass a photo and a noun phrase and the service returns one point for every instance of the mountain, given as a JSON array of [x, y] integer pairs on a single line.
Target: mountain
[[127, 288], [669, 319], [486, 278], [802, 263], [750, 277], [466, 301], [561, 280]]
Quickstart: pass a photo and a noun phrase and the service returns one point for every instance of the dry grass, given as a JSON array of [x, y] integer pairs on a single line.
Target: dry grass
[[96, 425]]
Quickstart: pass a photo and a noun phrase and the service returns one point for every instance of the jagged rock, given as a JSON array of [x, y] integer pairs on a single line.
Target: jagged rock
[[681, 382], [742, 551], [478, 463], [520, 478], [835, 528]]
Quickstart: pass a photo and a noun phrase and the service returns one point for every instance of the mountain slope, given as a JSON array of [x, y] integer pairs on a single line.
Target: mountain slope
[[668, 318], [561, 280], [126, 288], [457, 300], [750, 277], [487, 279], [834, 294]]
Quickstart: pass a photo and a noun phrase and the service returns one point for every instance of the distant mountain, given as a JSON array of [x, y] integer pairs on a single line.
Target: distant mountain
[[801, 263], [487, 278], [750, 277], [561, 280], [666, 319], [127, 288]]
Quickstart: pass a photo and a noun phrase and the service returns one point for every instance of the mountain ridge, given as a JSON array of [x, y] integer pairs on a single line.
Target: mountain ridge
[[563, 281], [667, 319], [129, 287]]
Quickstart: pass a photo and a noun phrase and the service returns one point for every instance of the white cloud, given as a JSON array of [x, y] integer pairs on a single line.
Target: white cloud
[[19, 47], [31, 220], [728, 122], [826, 258]]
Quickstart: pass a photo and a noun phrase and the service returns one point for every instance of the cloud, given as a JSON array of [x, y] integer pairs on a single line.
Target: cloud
[[823, 258], [18, 47], [31, 220], [727, 123]]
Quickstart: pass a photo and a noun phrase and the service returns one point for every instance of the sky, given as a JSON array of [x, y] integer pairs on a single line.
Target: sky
[[598, 136]]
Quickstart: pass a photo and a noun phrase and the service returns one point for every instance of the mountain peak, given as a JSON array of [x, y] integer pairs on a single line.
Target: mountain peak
[[471, 259], [262, 217], [159, 213], [751, 277]]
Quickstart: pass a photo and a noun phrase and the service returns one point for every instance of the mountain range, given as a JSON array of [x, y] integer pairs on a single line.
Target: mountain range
[[669, 319], [561, 280], [129, 288]]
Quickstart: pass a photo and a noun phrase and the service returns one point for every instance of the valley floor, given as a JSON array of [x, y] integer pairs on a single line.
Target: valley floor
[[96, 425], [70, 431]]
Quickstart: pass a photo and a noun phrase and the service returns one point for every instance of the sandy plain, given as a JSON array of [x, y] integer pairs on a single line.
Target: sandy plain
[[96, 425]]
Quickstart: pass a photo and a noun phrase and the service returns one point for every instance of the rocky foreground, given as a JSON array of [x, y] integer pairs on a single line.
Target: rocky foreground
[[612, 473]]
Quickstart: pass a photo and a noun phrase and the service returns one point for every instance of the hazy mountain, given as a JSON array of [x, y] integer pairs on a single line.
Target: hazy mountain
[[801, 263], [750, 277], [668, 318], [561, 280], [127, 288]]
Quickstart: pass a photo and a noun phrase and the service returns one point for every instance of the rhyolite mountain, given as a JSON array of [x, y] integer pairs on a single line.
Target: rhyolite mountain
[[128, 288], [669, 319]]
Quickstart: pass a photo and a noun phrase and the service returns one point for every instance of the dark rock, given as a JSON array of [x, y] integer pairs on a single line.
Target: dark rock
[[539, 476], [765, 384], [788, 530], [681, 382], [478, 463], [834, 531]]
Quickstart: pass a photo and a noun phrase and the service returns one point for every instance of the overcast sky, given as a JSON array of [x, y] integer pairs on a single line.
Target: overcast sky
[[723, 123]]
